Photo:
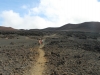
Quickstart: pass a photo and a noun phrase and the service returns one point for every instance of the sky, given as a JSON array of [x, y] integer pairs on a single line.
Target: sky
[[39, 14]]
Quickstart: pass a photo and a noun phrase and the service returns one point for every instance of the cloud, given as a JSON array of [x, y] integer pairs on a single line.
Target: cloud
[[73, 11], [13, 19], [24, 7], [52, 13]]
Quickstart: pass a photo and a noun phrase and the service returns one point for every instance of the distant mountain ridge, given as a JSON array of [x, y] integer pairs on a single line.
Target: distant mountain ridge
[[86, 26]]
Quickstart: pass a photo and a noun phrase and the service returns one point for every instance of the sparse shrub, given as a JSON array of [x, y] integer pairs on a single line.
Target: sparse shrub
[[99, 58], [69, 35], [53, 42], [0, 73], [78, 62], [60, 63], [11, 43], [77, 56]]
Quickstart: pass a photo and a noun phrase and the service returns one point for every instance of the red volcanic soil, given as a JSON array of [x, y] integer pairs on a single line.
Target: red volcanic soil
[[7, 28]]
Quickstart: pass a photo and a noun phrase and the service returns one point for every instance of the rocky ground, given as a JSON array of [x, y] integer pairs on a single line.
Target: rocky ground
[[17, 55], [63, 53], [68, 56]]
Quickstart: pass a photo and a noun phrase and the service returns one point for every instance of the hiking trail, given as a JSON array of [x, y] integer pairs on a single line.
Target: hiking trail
[[39, 66]]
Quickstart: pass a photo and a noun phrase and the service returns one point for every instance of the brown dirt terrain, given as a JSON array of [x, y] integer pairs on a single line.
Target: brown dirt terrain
[[63, 53]]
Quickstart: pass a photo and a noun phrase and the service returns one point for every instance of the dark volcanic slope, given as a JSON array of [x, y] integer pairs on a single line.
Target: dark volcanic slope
[[50, 29], [86, 26]]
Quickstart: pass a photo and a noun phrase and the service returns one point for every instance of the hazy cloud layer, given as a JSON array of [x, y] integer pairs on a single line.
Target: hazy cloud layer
[[51, 13]]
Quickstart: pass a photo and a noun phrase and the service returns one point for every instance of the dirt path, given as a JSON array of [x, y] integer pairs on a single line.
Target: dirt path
[[39, 66]]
